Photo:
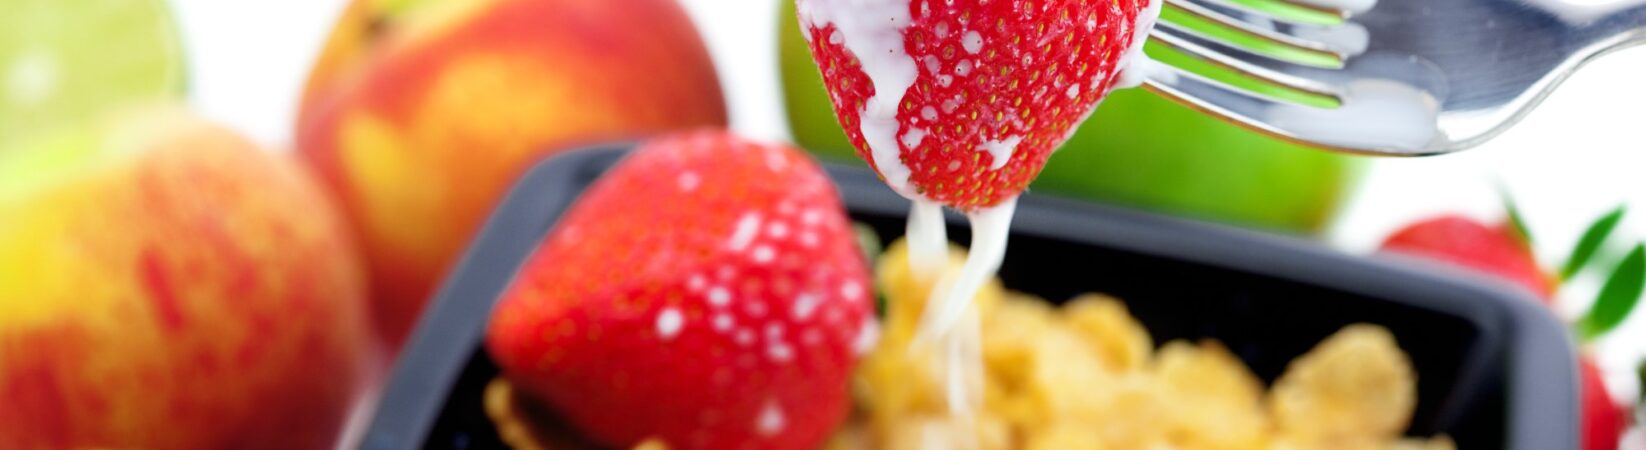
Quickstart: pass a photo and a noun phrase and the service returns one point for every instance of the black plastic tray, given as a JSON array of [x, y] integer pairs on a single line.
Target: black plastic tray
[[1495, 369]]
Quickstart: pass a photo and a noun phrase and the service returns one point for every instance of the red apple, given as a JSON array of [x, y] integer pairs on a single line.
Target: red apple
[[419, 114], [165, 284]]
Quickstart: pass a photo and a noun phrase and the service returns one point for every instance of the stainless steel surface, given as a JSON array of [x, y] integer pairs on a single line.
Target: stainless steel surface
[[1411, 77]]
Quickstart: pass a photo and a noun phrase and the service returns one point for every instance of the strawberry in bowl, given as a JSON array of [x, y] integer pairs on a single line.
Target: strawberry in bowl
[[707, 291], [447, 384]]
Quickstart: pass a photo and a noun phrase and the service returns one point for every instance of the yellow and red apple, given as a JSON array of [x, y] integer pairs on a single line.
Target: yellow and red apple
[[165, 284], [419, 114]]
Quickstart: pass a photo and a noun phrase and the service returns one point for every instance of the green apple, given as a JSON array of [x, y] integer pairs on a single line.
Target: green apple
[[1138, 149], [64, 61], [811, 115]]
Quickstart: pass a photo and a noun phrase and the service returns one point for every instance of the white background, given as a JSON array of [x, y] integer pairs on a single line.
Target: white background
[[1581, 153]]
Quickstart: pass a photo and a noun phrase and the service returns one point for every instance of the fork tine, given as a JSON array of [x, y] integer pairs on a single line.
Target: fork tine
[[1380, 117], [1264, 67], [1244, 108], [1343, 40], [1342, 8]]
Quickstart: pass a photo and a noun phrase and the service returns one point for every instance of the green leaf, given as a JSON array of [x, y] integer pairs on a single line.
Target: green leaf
[[1591, 241], [1516, 221], [1617, 297], [1641, 373]]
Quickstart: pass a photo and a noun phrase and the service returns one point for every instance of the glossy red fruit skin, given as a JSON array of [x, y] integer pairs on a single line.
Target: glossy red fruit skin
[[1497, 251], [1604, 421], [1468, 243], [654, 308], [1038, 71]]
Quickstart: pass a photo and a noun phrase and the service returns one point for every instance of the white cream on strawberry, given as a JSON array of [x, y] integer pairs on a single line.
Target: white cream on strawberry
[[719, 296], [669, 322], [873, 31], [912, 138], [1134, 65], [805, 305], [747, 226], [771, 420], [688, 181], [1000, 151], [763, 254], [973, 42]]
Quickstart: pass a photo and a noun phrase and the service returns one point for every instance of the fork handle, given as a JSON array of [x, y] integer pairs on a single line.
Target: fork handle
[[1612, 26]]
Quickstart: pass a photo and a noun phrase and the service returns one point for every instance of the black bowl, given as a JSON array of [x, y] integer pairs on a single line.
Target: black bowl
[[1495, 369]]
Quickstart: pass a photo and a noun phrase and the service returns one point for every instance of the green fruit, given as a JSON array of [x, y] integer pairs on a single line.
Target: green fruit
[[1137, 149], [1176, 160], [64, 60], [40, 159], [811, 115]]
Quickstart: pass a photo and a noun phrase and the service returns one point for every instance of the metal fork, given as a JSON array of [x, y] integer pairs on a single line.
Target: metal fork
[[1414, 77]]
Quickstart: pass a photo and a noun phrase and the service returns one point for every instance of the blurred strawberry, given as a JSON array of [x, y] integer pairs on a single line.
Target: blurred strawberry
[[1465, 242], [707, 291], [1604, 420], [1504, 251], [962, 101]]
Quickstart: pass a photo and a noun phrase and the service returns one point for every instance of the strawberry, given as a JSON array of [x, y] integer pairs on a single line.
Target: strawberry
[[1465, 242], [962, 101], [707, 291], [1503, 252], [1603, 420]]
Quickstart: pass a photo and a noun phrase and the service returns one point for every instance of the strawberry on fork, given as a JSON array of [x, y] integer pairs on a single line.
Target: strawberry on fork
[[959, 103]]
